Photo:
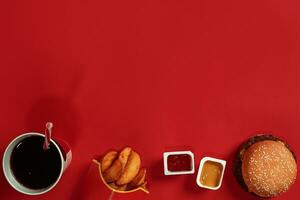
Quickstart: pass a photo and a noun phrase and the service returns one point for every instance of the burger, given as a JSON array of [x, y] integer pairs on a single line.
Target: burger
[[265, 166]]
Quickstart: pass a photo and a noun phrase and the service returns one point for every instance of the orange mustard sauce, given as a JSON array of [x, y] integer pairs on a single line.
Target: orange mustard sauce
[[211, 174]]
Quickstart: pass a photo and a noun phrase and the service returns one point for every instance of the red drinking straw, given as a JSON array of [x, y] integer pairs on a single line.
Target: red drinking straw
[[49, 126]]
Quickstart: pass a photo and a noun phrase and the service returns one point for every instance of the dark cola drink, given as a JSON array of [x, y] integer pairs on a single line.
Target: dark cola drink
[[34, 167]]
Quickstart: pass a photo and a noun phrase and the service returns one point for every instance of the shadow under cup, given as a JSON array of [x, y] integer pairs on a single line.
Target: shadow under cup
[[22, 149]]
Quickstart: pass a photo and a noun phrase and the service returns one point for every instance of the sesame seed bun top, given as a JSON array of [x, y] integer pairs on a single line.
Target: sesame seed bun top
[[268, 168]]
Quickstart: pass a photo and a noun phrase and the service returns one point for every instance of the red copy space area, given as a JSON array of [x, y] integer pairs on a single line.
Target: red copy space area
[[155, 75]]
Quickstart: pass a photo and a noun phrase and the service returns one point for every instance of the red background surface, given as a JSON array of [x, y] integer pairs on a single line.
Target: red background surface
[[156, 75]]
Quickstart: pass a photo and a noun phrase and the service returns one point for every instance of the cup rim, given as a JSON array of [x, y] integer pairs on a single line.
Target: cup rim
[[10, 146]]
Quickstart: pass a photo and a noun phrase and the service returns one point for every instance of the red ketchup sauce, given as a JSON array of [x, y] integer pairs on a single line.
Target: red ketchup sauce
[[180, 162]]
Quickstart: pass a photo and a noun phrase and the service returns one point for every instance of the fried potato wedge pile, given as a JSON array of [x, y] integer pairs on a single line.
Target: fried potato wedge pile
[[122, 170]]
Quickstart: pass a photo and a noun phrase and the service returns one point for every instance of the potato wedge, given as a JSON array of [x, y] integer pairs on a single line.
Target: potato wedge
[[114, 172], [108, 160], [131, 169], [124, 155], [138, 180]]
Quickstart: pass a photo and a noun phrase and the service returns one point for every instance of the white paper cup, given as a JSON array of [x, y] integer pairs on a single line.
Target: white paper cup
[[168, 172], [64, 153], [219, 161]]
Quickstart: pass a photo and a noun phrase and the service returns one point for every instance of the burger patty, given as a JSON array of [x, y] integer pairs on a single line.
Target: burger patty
[[239, 156]]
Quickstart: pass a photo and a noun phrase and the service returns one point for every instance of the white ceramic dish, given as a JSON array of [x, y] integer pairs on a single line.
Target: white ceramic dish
[[222, 162], [167, 154]]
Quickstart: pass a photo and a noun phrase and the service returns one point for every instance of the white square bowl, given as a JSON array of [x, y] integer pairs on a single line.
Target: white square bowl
[[167, 154], [203, 160]]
